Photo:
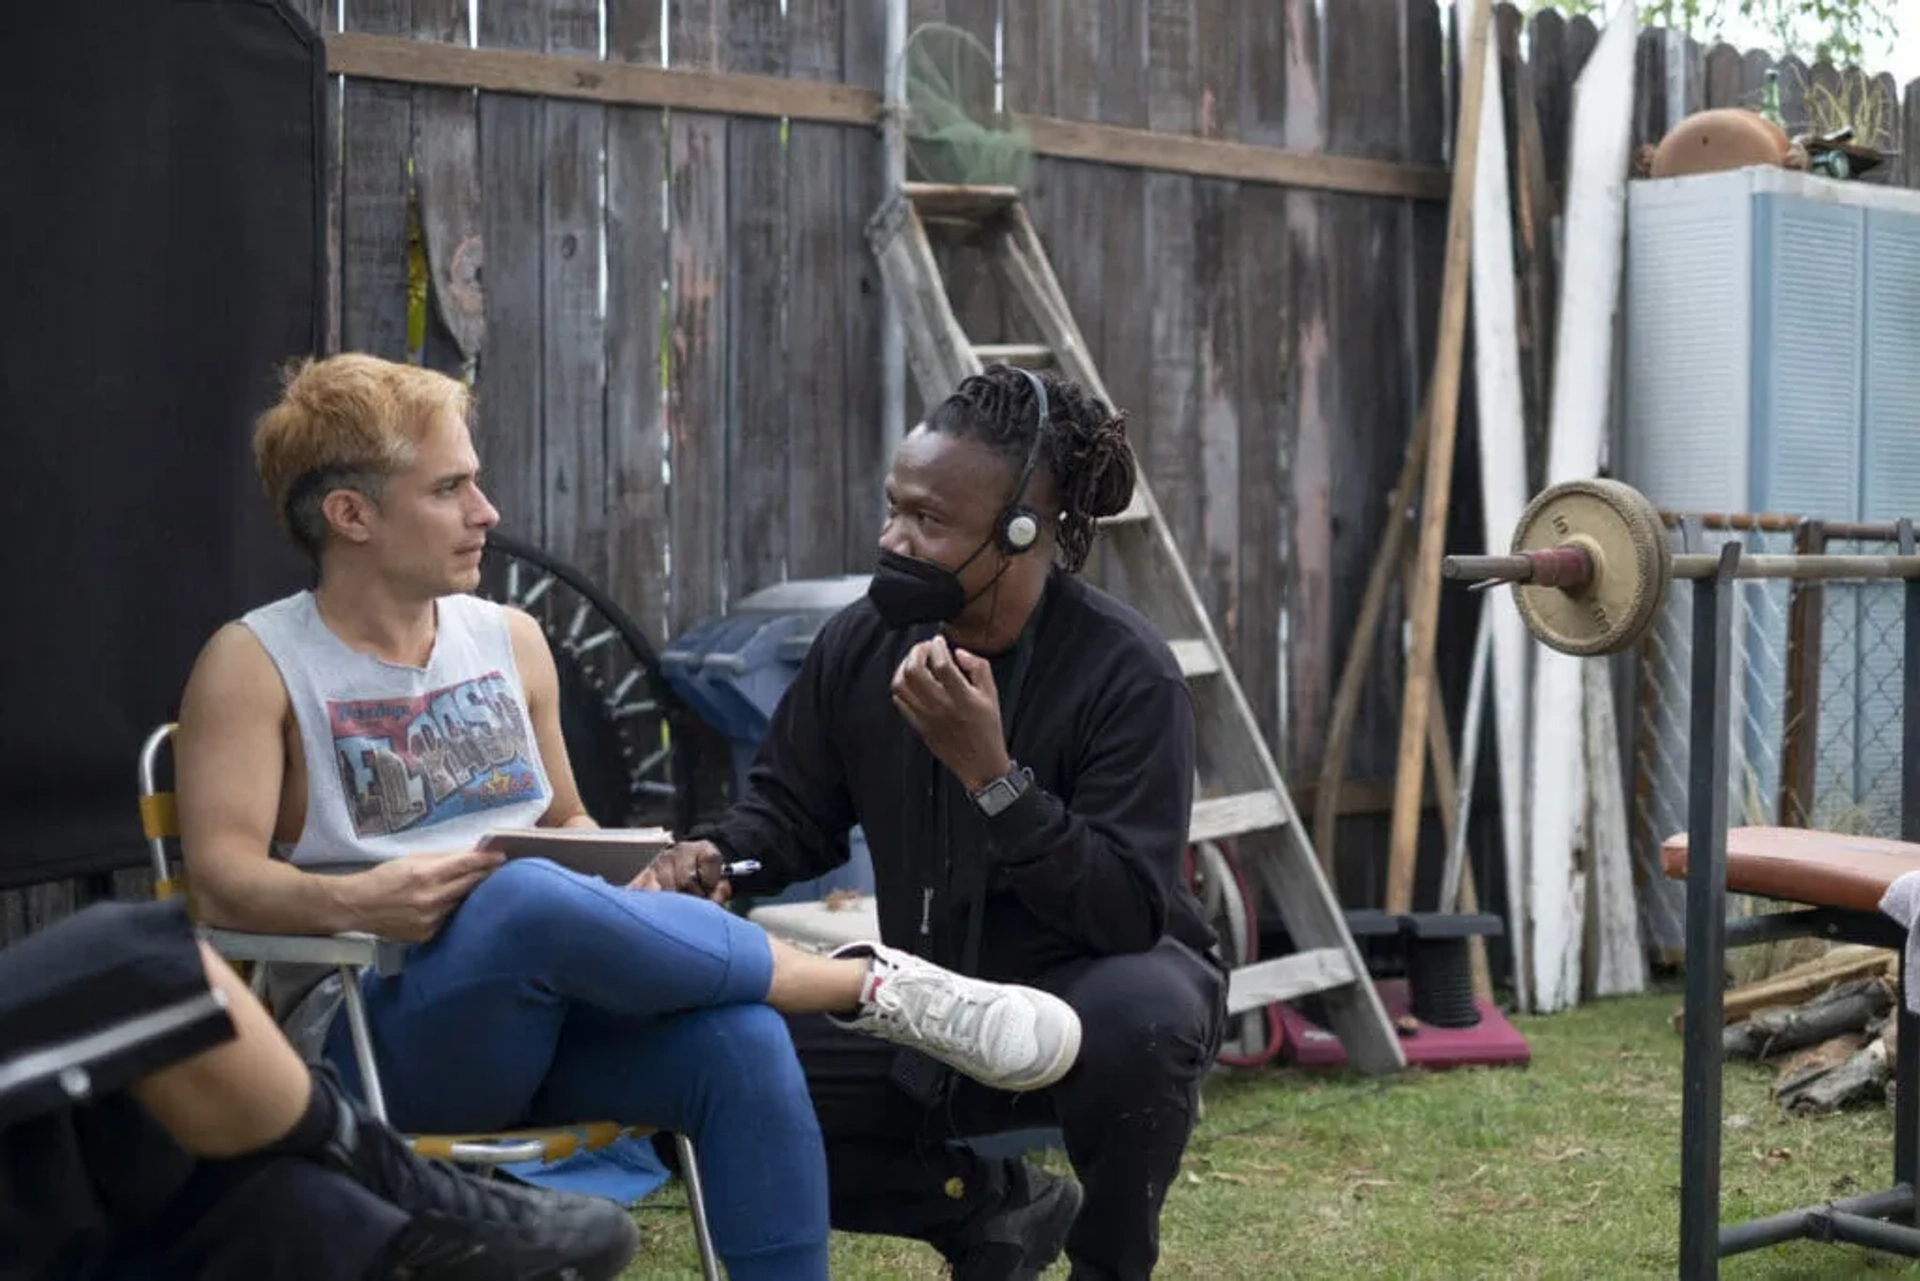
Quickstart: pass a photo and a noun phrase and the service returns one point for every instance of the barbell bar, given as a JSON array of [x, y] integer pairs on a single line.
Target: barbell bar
[[1591, 564], [1524, 567]]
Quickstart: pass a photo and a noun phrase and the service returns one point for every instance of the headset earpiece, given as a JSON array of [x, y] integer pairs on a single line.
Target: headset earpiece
[[1022, 529], [1019, 525]]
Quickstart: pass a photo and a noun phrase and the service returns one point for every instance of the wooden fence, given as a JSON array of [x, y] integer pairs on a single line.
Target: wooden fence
[[641, 227], [1268, 339]]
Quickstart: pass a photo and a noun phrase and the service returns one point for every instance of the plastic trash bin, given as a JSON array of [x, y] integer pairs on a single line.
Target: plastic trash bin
[[732, 669]]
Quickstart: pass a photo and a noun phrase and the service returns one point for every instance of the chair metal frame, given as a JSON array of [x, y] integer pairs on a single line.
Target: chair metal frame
[[352, 954]]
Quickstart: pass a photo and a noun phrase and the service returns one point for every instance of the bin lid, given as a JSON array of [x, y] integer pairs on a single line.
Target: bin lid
[[796, 595], [812, 600]]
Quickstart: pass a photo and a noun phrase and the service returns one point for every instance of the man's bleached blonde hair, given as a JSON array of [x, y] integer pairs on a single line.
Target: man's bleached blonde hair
[[349, 421]]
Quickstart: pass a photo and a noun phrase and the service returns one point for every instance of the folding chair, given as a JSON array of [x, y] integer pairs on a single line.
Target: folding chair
[[352, 954]]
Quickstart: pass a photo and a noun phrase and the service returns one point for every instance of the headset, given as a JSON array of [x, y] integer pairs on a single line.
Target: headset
[[1018, 528]]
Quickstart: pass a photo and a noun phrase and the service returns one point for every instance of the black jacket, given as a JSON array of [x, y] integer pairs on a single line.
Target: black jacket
[[1087, 863]]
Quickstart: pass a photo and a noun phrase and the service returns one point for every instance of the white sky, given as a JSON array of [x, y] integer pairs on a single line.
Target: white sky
[[1900, 56]]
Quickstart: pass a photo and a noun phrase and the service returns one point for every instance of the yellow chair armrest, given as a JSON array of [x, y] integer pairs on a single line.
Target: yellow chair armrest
[[512, 1146]]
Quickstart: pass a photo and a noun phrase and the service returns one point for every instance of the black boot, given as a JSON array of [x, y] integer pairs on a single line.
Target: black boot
[[1023, 1234], [466, 1228]]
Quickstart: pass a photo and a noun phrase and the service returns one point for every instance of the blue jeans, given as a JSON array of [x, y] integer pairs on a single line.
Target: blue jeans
[[550, 998]]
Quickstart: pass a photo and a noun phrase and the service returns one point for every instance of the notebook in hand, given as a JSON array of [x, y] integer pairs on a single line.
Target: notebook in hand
[[615, 854]]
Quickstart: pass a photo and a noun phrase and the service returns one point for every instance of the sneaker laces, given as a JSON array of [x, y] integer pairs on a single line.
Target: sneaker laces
[[934, 1008]]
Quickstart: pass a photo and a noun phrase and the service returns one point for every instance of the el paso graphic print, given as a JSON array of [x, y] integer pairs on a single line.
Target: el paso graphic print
[[410, 762]]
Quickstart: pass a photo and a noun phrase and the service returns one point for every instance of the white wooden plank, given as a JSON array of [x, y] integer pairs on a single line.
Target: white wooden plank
[[1196, 657], [1619, 963], [1601, 137], [1503, 481], [1218, 817], [1288, 978], [1025, 355]]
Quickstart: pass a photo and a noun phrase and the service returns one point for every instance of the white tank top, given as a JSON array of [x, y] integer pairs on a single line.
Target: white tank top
[[405, 759]]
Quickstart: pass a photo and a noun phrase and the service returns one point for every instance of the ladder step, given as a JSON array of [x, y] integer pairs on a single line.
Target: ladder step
[[1218, 817], [1288, 978], [1024, 355], [1196, 657], [957, 201], [1133, 512]]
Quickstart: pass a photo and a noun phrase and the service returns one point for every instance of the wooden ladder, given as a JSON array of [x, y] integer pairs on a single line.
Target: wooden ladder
[[1240, 795]]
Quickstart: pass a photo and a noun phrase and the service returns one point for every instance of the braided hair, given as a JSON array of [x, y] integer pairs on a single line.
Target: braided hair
[[1086, 449]]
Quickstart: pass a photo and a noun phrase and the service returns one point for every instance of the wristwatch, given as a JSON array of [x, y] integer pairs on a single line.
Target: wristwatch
[[1003, 791]]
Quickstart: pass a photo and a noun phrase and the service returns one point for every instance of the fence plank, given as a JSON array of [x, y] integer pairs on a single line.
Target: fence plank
[[1547, 58], [756, 417], [1754, 66], [1428, 114], [1266, 422], [1696, 76], [1370, 400], [635, 489], [374, 146], [1824, 88], [1794, 81], [512, 164], [980, 303], [1723, 77], [1218, 280], [1171, 457], [1028, 59], [863, 41], [1310, 654], [819, 239], [1533, 211], [573, 341], [1886, 111], [1650, 88], [1068, 193], [697, 351], [1124, 333], [446, 164]]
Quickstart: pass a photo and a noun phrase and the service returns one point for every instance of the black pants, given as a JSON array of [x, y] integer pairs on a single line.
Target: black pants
[[1151, 1026], [90, 1185]]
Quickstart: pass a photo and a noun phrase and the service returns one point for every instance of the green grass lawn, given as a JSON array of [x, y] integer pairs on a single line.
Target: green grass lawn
[[1566, 1168]]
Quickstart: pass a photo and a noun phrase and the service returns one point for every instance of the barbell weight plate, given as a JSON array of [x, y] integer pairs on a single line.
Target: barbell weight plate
[[1632, 566]]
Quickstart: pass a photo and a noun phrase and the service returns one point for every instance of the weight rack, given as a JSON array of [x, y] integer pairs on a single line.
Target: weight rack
[[1588, 573], [1875, 1219]]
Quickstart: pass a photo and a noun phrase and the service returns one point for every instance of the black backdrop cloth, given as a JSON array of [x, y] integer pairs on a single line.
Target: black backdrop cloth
[[162, 206]]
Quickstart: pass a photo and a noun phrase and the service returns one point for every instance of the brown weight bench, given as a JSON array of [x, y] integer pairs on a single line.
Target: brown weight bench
[[1837, 881]]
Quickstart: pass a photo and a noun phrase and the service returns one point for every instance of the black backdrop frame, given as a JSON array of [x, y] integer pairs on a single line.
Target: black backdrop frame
[[162, 255]]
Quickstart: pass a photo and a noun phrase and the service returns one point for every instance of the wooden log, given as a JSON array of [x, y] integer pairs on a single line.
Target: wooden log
[[1804, 981], [1846, 1008], [1860, 1077], [1803, 1067]]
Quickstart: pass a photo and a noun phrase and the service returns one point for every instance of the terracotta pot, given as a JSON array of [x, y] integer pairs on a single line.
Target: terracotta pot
[[1724, 138]]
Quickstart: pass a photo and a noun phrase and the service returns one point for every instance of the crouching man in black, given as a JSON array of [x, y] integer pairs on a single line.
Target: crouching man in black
[[1019, 749]]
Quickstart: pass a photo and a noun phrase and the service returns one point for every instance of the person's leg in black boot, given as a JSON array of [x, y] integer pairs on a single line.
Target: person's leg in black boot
[[148, 1095], [1151, 1024], [894, 1170]]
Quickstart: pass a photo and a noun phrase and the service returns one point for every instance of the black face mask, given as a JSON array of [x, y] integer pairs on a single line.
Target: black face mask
[[907, 592]]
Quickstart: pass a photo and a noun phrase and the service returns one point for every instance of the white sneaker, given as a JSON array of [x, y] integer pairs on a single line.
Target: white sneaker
[[1002, 1035]]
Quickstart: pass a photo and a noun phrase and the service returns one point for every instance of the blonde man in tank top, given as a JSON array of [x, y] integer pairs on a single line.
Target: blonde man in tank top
[[342, 750]]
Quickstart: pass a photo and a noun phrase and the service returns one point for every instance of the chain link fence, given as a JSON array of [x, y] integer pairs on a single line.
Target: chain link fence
[[1762, 645], [1850, 779], [1814, 720]]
